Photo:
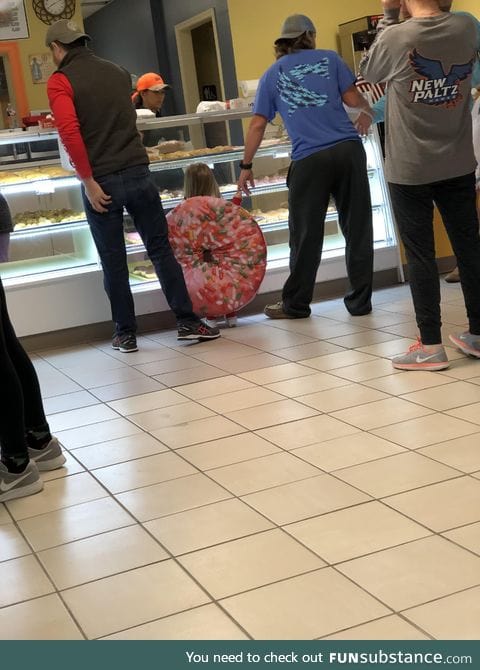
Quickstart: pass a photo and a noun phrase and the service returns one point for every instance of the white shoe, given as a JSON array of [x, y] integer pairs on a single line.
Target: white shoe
[[17, 485]]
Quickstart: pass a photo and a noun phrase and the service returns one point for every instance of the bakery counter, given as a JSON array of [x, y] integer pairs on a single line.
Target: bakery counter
[[171, 199], [53, 262], [263, 186], [215, 155]]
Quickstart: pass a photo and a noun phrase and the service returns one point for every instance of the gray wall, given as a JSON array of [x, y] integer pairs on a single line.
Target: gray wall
[[170, 12], [140, 36], [124, 33]]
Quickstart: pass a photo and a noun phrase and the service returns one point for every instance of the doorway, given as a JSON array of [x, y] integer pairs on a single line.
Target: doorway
[[201, 73]]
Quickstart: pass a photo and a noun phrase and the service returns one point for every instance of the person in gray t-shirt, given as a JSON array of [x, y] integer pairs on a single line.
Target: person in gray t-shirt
[[427, 63]]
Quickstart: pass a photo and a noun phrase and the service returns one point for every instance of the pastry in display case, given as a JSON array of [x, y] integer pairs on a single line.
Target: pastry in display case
[[47, 217], [50, 230], [142, 271], [29, 174]]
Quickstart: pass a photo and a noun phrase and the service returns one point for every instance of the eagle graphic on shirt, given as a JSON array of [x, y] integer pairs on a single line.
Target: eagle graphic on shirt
[[437, 87], [294, 93]]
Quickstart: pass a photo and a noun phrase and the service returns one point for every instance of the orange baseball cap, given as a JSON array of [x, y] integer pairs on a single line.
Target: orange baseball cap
[[151, 82]]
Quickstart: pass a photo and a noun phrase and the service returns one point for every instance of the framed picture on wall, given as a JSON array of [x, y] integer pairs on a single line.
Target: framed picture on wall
[[41, 67], [13, 21]]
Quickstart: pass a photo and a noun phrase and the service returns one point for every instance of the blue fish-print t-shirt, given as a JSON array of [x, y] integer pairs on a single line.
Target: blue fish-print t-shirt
[[306, 89]]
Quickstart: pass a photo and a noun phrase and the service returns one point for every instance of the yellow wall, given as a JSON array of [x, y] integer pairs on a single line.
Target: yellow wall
[[37, 93], [471, 6], [255, 26]]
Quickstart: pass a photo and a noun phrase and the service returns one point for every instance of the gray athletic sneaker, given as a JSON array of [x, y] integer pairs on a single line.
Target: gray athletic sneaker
[[467, 343], [14, 485], [48, 458], [418, 358]]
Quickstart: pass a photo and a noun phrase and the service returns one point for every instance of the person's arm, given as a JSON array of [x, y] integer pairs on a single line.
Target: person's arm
[[60, 97], [378, 109], [391, 11], [377, 66], [353, 98], [256, 131], [391, 14]]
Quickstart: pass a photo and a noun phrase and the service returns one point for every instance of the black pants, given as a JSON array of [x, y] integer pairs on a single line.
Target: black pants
[[413, 209], [134, 189], [21, 406], [340, 171]]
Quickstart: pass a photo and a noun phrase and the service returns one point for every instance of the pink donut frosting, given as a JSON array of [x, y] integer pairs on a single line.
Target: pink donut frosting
[[222, 252]]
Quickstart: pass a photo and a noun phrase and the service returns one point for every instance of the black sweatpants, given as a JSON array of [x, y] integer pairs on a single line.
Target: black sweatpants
[[340, 171], [21, 407], [413, 209]]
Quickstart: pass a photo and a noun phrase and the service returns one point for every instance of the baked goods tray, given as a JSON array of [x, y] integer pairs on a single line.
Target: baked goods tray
[[275, 150], [54, 226], [50, 227]]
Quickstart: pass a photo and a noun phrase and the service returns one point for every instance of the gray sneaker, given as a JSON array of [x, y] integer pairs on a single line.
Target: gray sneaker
[[14, 485], [50, 457], [467, 343], [417, 358]]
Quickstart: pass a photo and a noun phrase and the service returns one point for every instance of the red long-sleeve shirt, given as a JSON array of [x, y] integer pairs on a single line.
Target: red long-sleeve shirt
[[60, 97]]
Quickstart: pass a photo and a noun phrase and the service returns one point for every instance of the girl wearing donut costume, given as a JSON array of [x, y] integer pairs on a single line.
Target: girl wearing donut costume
[[219, 245], [200, 180]]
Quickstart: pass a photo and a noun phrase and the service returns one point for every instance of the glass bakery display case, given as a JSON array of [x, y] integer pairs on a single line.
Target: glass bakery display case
[[52, 242], [50, 230], [268, 201]]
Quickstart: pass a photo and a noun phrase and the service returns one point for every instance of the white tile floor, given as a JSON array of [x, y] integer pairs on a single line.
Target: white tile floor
[[282, 482]]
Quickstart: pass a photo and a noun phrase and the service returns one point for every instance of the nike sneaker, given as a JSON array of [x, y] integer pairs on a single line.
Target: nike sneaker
[[17, 485], [418, 358], [49, 457], [467, 343]]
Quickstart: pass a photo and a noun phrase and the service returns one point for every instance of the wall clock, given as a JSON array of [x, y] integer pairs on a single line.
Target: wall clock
[[50, 11]]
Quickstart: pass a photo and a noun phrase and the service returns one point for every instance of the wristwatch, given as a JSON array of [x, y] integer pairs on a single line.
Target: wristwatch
[[245, 166]]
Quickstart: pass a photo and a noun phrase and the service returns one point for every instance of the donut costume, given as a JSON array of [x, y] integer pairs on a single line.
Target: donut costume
[[222, 252]]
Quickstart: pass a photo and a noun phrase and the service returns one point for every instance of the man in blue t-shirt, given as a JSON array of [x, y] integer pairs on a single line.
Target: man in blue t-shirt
[[308, 87]]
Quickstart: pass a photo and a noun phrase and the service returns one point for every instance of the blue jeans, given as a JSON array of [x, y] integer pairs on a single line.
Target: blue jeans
[[133, 189]]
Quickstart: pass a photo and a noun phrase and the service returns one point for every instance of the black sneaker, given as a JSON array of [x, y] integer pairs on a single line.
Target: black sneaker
[[197, 331], [125, 343]]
